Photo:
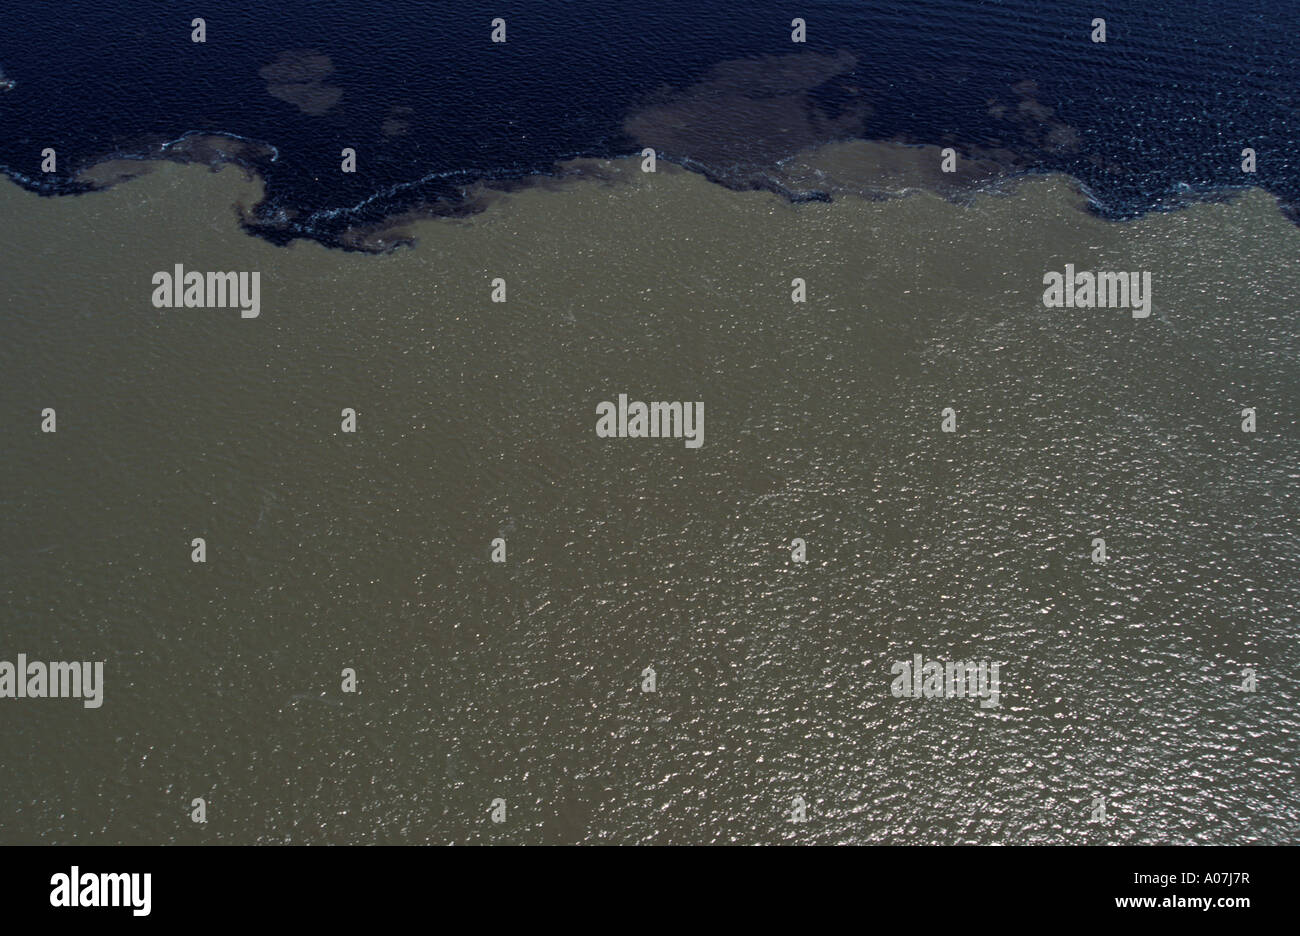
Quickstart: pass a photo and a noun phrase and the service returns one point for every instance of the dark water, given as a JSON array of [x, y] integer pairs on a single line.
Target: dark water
[[1162, 110]]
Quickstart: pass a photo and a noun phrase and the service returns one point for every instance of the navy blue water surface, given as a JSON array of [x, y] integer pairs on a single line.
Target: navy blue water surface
[[1161, 110]]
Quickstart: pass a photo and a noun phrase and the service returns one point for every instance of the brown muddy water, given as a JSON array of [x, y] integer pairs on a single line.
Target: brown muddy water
[[476, 421]]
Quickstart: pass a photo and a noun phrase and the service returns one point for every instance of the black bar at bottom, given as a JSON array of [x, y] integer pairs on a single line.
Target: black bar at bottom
[[336, 886]]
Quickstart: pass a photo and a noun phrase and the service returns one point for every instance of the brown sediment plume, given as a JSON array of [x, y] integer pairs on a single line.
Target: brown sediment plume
[[854, 168], [397, 123], [762, 123], [398, 230], [212, 150], [1039, 123], [297, 76], [1034, 131], [589, 169], [110, 172], [872, 168], [747, 115], [823, 422], [386, 235]]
